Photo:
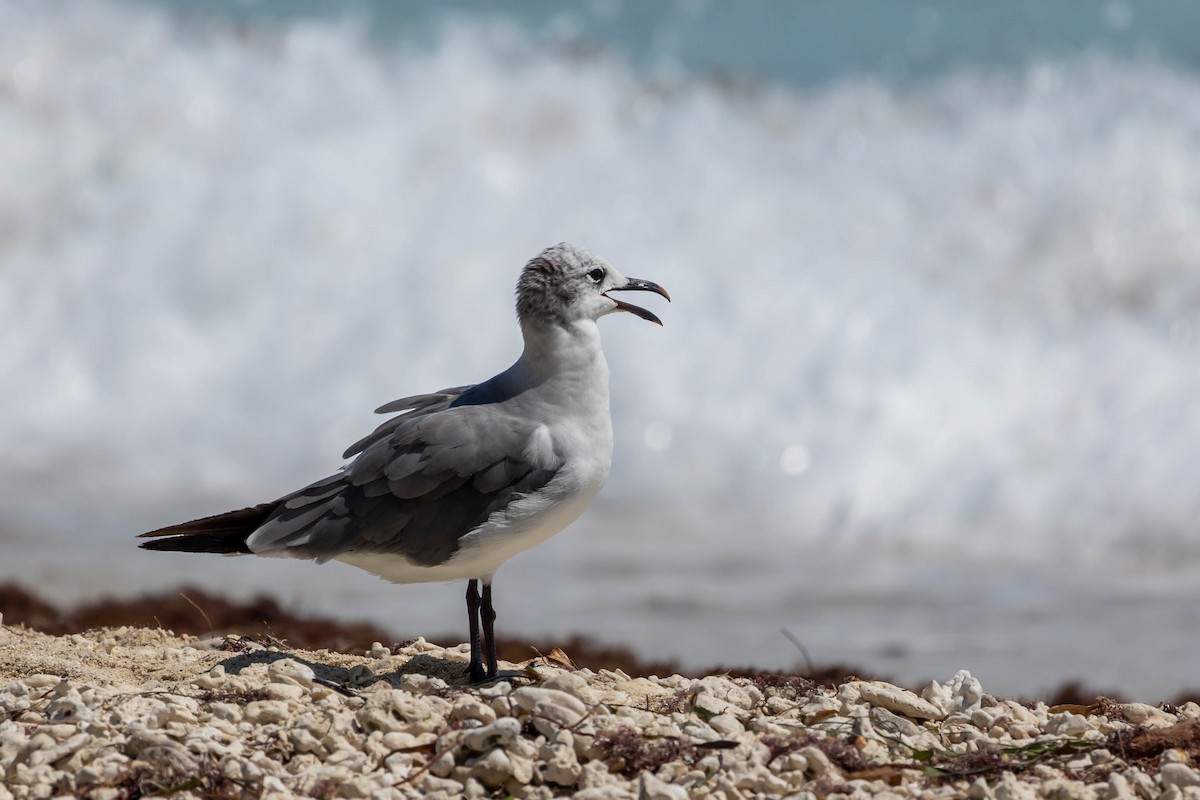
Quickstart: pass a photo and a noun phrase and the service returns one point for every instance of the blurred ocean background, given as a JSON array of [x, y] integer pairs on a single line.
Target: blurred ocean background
[[928, 396]]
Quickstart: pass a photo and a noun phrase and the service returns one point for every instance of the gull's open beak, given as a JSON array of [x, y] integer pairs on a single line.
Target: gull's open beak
[[638, 285]]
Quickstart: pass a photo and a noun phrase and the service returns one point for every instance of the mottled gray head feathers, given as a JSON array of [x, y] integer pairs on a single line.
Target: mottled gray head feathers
[[563, 283]]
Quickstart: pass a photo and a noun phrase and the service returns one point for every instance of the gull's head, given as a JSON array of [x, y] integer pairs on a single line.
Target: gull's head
[[565, 283]]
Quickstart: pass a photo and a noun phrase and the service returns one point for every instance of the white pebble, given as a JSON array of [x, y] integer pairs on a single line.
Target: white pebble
[[288, 670], [726, 725], [501, 733], [284, 691], [1148, 715], [1067, 724], [492, 769], [651, 788], [560, 765], [1179, 775], [901, 701], [263, 712]]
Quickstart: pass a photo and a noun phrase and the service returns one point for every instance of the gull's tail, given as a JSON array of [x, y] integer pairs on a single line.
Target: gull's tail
[[220, 533]]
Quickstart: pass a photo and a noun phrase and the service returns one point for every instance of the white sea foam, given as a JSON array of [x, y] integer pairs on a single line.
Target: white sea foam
[[961, 316]]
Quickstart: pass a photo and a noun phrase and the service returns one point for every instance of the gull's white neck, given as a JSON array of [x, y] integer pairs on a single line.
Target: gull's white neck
[[556, 351]]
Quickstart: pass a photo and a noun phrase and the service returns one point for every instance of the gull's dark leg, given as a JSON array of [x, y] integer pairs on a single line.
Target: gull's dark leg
[[488, 614], [475, 671]]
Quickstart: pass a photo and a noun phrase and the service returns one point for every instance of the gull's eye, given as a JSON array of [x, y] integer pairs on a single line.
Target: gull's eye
[[596, 275]]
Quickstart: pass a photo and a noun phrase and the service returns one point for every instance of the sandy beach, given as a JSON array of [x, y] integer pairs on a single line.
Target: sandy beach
[[132, 712]]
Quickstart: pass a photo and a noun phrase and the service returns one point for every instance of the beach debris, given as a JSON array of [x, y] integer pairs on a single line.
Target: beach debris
[[131, 712]]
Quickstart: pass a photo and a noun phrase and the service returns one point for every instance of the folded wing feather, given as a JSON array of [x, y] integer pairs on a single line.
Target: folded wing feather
[[420, 482]]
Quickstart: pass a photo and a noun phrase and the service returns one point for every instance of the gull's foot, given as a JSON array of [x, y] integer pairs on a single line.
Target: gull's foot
[[337, 687], [501, 675]]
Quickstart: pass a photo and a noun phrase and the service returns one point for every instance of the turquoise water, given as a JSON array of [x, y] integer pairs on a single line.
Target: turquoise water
[[801, 43]]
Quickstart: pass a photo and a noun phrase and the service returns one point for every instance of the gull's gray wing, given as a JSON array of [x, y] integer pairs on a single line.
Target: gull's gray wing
[[419, 483], [415, 405]]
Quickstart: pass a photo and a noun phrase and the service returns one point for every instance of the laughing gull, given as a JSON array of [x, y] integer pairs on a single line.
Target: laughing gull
[[467, 477]]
